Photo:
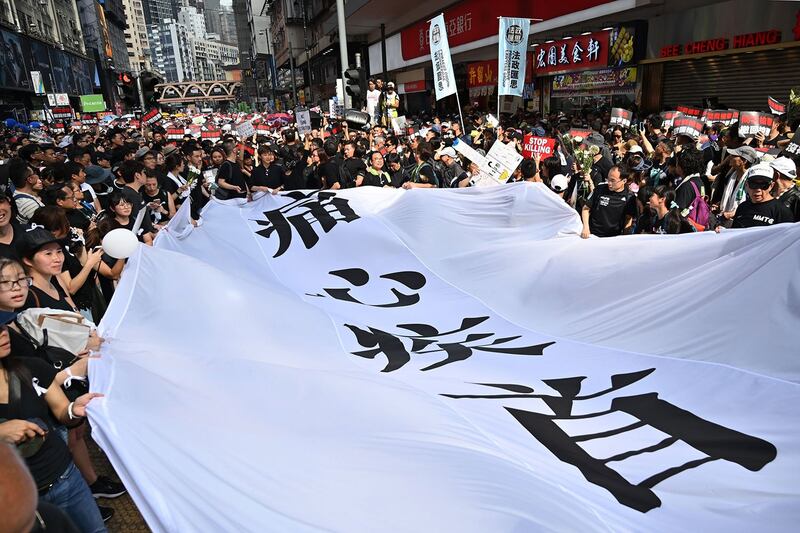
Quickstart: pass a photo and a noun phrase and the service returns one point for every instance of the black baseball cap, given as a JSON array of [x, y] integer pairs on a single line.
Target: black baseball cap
[[34, 239]]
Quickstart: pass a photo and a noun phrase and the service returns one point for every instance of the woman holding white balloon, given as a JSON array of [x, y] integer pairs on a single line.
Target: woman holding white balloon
[[121, 209]]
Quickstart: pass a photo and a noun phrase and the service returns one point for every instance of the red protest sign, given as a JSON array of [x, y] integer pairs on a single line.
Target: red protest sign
[[690, 111], [669, 117], [725, 116], [153, 116], [775, 106], [621, 117], [175, 134], [689, 126], [211, 135], [538, 145], [752, 123], [577, 132]]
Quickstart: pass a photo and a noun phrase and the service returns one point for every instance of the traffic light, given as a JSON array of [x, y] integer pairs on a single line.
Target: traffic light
[[127, 84], [149, 82], [356, 87]]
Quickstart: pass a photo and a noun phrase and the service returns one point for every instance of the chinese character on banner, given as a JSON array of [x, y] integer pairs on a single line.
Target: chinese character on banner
[[593, 51], [572, 54], [324, 209], [577, 50]]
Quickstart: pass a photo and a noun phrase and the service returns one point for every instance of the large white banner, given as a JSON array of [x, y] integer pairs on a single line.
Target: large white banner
[[444, 80], [451, 360], [513, 48]]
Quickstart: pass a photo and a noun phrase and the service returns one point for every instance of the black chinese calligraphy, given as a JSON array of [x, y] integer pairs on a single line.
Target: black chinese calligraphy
[[428, 339], [714, 441], [358, 277], [324, 208]]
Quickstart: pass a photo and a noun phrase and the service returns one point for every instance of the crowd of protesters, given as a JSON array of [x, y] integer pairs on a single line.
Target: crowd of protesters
[[61, 193]]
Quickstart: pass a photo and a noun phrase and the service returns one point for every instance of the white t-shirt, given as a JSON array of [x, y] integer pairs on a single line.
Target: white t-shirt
[[372, 101], [85, 187]]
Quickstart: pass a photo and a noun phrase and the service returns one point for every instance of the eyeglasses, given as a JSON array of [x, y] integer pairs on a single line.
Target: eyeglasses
[[761, 185], [11, 284]]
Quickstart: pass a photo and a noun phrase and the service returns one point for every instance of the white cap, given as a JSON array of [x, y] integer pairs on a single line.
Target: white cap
[[635, 149], [559, 183], [785, 167], [449, 151]]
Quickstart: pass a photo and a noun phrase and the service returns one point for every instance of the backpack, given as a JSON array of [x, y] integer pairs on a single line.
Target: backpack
[[699, 212]]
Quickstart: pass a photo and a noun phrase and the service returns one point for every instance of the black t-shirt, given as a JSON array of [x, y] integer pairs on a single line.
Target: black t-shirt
[[11, 251], [78, 219], [156, 216], [83, 296], [685, 195], [599, 171], [137, 204], [38, 298], [329, 172], [791, 199], [53, 457], [232, 175], [609, 209], [352, 168], [271, 176], [749, 215]]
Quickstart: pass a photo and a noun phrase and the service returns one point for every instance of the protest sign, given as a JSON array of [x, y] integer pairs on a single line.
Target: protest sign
[[399, 125], [580, 132], [503, 159], [724, 116], [153, 116], [689, 126], [89, 120], [669, 117], [211, 135], [793, 148], [262, 129], [621, 117], [175, 134], [58, 127], [303, 119], [245, 129], [690, 111], [538, 145], [752, 123], [775, 106]]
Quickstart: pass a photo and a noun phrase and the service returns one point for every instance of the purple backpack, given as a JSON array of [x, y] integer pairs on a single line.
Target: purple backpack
[[699, 212]]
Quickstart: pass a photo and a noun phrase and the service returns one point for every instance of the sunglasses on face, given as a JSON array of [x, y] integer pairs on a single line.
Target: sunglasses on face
[[762, 185]]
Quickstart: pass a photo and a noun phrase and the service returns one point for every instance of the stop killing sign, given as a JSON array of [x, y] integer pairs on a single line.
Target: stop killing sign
[[538, 145]]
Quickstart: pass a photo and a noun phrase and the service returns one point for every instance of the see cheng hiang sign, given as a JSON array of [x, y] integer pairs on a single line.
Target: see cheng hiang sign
[[746, 40]]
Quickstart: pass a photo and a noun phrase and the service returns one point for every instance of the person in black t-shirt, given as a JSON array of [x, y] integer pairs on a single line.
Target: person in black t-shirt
[[785, 188], [10, 231], [230, 179], [760, 209], [611, 209], [160, 203], [267, 176]]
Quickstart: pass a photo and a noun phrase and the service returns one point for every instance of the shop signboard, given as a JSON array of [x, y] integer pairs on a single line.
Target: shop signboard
[[580, 53], [752, 123], [92, 103], [609, 80], [473, 20]]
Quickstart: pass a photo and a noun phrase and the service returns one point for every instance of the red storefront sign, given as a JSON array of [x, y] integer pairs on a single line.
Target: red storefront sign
[[472, 20], [414, 87], [581, 53]]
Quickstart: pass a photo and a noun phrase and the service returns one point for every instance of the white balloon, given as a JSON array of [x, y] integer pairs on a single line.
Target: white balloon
[[120, 243]]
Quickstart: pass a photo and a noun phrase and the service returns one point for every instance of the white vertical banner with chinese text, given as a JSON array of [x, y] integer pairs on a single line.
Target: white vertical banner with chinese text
[[513, 43], [444, 80]]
